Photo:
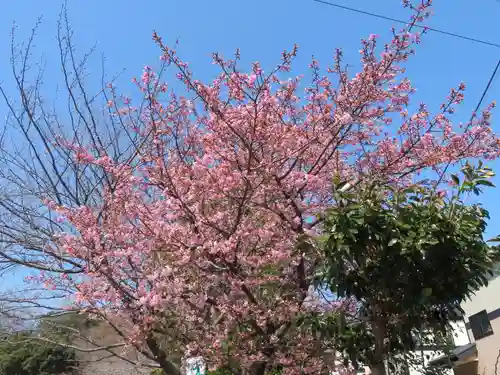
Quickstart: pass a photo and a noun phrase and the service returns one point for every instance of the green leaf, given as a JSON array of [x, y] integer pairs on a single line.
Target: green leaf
[[392, 242], [341, 184], [427, 292], [353, 206], [485, 183], [336, 180], [455, 179], [404, 254]]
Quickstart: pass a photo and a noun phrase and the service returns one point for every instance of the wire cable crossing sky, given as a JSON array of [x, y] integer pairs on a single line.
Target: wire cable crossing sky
[[471, 39]]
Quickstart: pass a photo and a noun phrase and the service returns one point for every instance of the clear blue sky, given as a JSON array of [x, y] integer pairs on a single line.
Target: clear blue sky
[[262, 29]]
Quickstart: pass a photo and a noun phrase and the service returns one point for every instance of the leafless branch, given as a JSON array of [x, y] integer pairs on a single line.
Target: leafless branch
[[36, 165]]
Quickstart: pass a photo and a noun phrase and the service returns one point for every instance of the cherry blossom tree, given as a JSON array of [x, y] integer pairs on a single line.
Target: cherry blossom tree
[[204, 227], [35, 164]]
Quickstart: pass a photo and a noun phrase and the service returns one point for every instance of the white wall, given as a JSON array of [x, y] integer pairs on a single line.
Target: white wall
[[460, 338], [460, 335], [425, 357], [487, 298]]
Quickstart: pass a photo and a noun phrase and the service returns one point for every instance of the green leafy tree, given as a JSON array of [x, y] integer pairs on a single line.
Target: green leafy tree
[[21, 355], [36, 352], [408, 257]]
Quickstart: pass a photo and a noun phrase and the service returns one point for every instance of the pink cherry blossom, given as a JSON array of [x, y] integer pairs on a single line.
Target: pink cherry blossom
[[203, 226]]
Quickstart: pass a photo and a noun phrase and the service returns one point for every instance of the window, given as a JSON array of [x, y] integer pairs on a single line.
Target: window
[[480, 325]]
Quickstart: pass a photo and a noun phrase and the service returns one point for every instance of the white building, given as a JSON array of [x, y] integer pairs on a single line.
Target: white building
[[482, 313], [430, 357], [477, 338]]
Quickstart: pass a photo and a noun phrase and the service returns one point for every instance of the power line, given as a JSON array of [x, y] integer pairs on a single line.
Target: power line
[[475, 40], [470, 39], [486, 89], [474, 114]]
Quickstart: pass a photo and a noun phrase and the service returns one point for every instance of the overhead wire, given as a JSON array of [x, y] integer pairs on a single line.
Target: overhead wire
[[371, 14], [486, 89], [464, 37], [455, 35]]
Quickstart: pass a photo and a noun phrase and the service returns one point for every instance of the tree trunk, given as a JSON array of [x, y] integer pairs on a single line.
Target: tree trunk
[[379, 331], [167, 366], [378, 369], [257, 368]]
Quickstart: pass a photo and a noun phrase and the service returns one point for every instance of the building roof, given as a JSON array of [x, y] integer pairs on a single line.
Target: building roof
[[458, 354]]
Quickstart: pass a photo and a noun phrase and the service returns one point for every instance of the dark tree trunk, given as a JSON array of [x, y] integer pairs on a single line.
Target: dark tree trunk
[[167, 366], [378, 369], [257, 368], [379, 331]]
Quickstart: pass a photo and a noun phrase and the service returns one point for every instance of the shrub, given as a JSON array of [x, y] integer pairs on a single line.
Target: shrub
[[20, 355]]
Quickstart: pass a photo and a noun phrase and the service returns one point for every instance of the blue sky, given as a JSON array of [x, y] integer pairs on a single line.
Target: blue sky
[[122, 31]]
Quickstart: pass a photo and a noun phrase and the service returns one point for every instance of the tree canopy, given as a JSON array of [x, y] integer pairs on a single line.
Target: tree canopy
[[409, 257], [21, 355], [192, 217]]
